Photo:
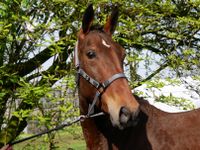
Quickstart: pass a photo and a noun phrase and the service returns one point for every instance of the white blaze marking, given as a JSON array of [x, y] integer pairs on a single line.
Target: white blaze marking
[[105, 44]]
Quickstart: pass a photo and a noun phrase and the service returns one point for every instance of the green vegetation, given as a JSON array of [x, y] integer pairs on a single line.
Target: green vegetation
[[181, 103], [68, 139], [158, 36]]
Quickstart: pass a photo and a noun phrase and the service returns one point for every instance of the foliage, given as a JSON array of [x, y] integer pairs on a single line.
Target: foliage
[[181, 103], [63, 139], [75, 131], [159, 36], [194, 85], [156, 89], [32, 32], [164, 34]]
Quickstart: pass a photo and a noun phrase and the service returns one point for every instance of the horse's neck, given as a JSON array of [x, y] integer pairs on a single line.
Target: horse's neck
[[149, 109], [128, 138], [99, 132]]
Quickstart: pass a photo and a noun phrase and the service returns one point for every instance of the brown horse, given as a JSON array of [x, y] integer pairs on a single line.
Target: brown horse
[[155, 130], [171, 131], [99, 61], [102, 84]]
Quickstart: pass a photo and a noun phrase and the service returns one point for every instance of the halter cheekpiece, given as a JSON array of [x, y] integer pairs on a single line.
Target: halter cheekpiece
[[101, 87]]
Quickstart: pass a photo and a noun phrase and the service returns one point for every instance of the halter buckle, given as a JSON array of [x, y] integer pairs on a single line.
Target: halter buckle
[[87, 77], [101, 88], [105, 84], [96, 84], [82, 117]]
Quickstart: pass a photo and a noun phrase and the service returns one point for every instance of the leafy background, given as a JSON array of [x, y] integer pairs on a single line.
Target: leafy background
[[37, 39]]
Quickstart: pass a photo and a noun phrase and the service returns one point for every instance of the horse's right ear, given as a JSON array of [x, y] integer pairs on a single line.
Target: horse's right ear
[[111, 22], [87, 19]]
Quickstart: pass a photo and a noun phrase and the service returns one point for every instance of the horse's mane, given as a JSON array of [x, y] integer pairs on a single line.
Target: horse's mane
[[146, 107]]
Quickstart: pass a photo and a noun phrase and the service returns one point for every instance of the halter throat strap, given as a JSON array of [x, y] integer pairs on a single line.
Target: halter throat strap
[[101, 87]]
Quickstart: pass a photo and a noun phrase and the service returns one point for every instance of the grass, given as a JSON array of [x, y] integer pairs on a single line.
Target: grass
[[70, 139]]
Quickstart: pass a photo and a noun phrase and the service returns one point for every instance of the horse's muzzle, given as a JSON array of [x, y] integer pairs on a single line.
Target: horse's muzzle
[[127, 118]]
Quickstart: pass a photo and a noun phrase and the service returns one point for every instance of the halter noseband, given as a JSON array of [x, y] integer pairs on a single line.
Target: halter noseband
[[101, 87]]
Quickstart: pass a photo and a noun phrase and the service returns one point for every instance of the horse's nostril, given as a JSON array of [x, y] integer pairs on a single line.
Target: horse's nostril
[[124, 115], [124, 111]]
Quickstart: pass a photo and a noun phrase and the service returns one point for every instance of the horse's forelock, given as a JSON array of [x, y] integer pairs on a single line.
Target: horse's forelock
[[97, 27]]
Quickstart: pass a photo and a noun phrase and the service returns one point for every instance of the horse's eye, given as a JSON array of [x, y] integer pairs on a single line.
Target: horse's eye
[[91, 54]]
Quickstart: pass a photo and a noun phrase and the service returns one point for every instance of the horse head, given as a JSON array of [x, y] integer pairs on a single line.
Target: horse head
[[101, 58]]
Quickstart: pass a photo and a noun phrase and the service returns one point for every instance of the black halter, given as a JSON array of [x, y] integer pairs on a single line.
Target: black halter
[[101, 87]]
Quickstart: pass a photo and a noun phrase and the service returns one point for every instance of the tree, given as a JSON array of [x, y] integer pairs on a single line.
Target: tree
[[164, 30], [31, 32], [163, 33]]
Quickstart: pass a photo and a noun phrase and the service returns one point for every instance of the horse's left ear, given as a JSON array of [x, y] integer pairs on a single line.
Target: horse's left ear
[[111, 22]]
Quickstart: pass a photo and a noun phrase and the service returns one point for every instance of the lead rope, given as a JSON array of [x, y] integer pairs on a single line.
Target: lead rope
[[90, 114], [79, 118], [76, 120]]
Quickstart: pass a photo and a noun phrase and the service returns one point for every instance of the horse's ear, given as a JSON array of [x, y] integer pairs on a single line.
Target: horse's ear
[[111, 22], [87, 19]]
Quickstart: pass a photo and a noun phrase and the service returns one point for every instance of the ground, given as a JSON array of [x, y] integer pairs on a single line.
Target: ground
[[69, 139]]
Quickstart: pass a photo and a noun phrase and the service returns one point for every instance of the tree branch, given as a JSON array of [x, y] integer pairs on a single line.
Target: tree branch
[[27, 67], [15, 125], [152, 75]]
